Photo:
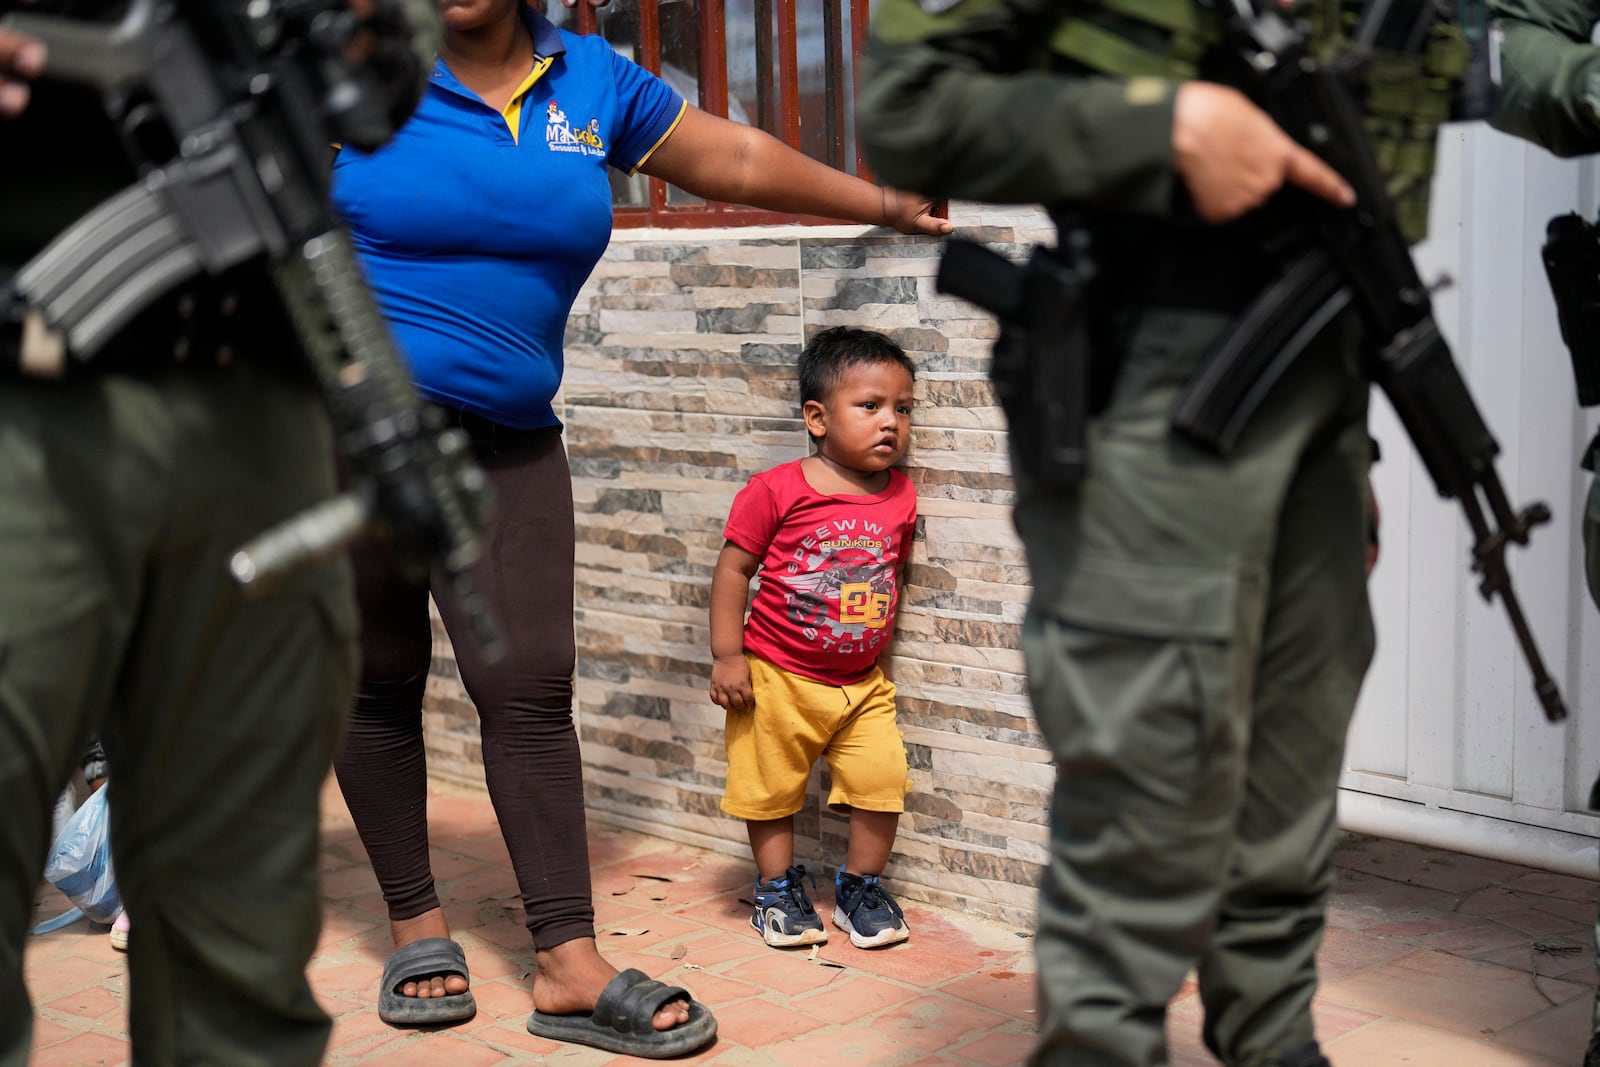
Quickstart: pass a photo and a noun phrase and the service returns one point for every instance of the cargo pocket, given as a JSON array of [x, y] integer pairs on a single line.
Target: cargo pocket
[[1136, 682]]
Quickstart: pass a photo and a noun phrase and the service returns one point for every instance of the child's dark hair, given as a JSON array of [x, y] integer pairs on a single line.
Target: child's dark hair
[[834, 351]]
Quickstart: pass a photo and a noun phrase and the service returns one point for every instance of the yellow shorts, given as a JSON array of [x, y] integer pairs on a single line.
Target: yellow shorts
[[772, 749]]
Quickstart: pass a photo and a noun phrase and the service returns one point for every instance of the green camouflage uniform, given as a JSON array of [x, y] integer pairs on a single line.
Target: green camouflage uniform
[[1550, 94], [1199, 626], [123, 494]]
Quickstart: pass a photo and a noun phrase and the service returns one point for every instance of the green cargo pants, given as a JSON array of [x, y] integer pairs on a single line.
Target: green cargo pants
[[121, 499], [1196, 639], [1591, 568]]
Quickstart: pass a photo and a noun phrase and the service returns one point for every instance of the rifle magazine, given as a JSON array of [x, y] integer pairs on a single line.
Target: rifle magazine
[[1255, 352]]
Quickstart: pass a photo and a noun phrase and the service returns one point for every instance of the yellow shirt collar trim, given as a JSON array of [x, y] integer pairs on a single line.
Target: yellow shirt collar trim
[[513, 110]]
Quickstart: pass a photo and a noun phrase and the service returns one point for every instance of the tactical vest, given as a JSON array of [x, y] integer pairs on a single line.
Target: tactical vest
[[1409, 95]]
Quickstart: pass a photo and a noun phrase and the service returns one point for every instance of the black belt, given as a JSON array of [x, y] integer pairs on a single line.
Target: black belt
[[489, 437], [1149, 263]]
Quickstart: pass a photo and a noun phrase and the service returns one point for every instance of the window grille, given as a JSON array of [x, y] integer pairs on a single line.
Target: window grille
[[786, 66]]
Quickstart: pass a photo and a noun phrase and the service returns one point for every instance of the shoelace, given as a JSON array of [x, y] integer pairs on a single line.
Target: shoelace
[[871, 898], [793, 892]]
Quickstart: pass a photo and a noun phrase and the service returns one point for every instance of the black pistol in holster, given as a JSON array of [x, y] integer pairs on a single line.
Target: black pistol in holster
[[1571, 255], [228, 109], [1358, 258], [1041, 363]]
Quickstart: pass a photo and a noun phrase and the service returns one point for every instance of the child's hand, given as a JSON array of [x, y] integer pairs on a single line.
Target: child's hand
[[730, 684]]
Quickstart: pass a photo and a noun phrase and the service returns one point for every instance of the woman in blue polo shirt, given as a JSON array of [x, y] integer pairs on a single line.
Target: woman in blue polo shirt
[[477, 225]]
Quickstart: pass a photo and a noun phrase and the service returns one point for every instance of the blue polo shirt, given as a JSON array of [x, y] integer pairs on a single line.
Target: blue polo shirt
[[476, 241]]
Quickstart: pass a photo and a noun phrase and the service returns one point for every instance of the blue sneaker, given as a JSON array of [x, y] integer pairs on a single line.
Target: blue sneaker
[[784, 915], [867, 912]]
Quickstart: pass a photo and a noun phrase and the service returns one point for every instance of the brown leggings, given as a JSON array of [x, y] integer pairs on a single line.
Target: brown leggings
[[524, 702]]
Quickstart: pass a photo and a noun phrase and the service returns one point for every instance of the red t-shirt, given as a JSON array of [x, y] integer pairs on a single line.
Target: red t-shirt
[[827, 598]]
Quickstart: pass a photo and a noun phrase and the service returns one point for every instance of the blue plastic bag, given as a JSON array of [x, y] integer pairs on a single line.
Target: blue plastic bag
[[80, 861]]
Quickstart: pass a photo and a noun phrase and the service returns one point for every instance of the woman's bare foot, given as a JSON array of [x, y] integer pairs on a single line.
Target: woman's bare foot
[[428, 924], [571, 976]]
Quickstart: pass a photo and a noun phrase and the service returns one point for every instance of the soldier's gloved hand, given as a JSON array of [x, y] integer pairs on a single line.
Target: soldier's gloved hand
[[1233, 157], [21, 57]]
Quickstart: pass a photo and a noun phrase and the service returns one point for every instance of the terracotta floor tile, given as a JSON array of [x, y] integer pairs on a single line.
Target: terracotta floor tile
[[1398, 1043], [503, 999], [84, 1050], [1546, 884], [1414, 864], [357, 1026], [65, 973], [505, 933], [717, 946], [1493, 900], [1002, 1049], [1562, 1033], [47, 1032], [1013, 993], [1466, 996], [436, 1048], [340, 978], [1526, 957], [936, 1022], [758, 1023], [1336, 1020], [91, 1003], [713, 990], [354, 881], [841, 1045], [788, 973], [1476, 939], [512, 1036], [1581, 912], [1538, 923], [1391, 901], [1344, 952], [853, 997]]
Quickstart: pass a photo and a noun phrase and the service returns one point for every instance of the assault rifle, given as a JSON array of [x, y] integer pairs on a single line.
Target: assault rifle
[[1357, 258], [227, 108]]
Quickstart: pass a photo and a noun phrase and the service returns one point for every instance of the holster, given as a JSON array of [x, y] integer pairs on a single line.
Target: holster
[[1042, 360], [1571, 255]]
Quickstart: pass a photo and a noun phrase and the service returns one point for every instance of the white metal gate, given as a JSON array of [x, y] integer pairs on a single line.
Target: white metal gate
[[1449, 745]]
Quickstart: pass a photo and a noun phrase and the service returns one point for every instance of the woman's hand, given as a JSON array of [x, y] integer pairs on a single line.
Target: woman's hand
[[913, 214]]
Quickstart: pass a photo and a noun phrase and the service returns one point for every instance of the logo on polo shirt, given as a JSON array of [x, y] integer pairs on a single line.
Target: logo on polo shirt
[[561, 137]]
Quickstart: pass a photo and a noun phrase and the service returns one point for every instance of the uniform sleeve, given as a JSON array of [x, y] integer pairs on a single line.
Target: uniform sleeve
[[948, 108], [1549, 73], [753, 518], [648, 110]]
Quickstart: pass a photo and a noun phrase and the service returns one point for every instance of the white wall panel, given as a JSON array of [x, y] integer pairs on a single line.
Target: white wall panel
[[1449, 742]]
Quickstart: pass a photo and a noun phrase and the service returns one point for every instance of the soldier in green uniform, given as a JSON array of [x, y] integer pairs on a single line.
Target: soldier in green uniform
[[1199, 625], [1550, 95], [124, 489]]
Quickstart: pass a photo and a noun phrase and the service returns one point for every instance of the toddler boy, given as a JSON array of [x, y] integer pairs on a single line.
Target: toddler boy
[[800, 679]]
